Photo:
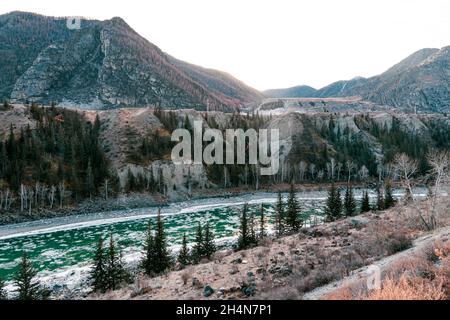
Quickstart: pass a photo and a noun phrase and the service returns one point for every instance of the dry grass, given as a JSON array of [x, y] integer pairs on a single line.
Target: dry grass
[[425, 276], [410, 288], [341, 294]]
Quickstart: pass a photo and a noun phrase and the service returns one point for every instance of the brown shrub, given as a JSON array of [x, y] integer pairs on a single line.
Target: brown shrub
[[409, 288], [418, 278], [340, 294], [381, 239], [186, 275], [280, 293]]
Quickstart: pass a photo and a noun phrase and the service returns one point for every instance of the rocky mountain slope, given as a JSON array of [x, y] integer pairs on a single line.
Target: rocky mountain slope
[[293, 92], [102, 65], [368, 139], [421, 82]]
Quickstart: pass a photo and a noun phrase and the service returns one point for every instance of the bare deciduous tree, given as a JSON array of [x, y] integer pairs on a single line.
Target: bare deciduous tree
[[405, 168], [350, 166], [302, 169], [440, 173], [363, 173], [312, 170]]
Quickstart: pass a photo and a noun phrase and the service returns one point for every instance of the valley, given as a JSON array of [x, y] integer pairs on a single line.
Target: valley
[[93, 205], [62, 248]]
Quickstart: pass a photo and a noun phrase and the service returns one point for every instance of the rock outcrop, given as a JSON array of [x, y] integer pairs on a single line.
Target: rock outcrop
[[104, 64]]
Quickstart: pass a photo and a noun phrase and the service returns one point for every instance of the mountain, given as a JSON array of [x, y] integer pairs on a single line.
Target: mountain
[[420, 82], [342, 88], [423, 85], [293, 92], [104, 64]]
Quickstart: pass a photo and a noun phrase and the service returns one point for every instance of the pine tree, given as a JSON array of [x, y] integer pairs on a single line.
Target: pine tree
[[251, 229], [198, 251], [338, 205], [27, 287], [183, 255], [389, 200], [98, 272], [279, 216], [209, 246], [333, 208], [244, 234], [349, 203], [163, 259], [365, 204], [149, 252], [380, 200], [293, 219], [115, 271], [97, 125], [89, 180], [3, 293], [262, 224]]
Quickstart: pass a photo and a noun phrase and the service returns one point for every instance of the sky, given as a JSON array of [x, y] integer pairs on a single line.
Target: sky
[[274, 43]]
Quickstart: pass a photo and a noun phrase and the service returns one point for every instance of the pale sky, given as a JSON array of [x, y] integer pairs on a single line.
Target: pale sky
[[274, 43]]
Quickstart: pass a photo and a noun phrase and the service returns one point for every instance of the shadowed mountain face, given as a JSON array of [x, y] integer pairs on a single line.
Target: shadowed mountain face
[[294, 92], [102, 65], [419, 82]]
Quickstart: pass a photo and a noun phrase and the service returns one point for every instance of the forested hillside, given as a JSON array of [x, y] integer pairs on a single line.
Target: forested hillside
[[58, 163], [59, 157]]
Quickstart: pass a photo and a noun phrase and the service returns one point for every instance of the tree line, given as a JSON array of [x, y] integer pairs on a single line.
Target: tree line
[[58, 162]]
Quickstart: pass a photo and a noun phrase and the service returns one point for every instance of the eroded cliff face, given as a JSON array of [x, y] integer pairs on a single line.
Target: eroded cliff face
[[104, 64], [304, 137], [301, 138]]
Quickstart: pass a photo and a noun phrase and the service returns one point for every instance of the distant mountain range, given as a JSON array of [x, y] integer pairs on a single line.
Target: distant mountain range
[[421, 82], [104, 64]]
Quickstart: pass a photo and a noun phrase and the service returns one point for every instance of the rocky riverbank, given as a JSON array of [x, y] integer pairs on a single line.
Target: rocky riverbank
[[144, 200], [290, 267]]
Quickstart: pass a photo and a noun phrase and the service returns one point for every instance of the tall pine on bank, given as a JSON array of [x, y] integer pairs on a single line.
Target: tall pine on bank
[[163, 260], [389, 200], [244, 232], [209, 246], [205, 246], [198, 251], [333, 209], [98, 273], [380, 199], [24, 279], [115, 271], [183, 255], [293, 220], [365, 204], [279, 216], [251, 229], [149, 252], [262, 224], [349, 203]]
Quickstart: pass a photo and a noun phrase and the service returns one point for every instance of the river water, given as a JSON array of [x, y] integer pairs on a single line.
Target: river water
[[61, 250]]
